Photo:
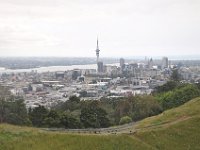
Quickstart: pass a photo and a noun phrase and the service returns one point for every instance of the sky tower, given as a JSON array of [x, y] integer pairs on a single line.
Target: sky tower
[[97, 50]]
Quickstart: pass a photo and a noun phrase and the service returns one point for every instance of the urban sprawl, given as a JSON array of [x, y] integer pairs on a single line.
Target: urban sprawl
[[115, 80]]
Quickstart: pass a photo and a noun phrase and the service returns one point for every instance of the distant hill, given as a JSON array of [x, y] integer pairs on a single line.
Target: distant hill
[[174, 129]]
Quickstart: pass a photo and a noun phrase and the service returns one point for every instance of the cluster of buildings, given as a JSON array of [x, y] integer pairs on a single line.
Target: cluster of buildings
[[116, 80]]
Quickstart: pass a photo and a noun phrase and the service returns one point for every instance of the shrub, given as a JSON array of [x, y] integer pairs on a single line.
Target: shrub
[[125, 119], [178, 96]]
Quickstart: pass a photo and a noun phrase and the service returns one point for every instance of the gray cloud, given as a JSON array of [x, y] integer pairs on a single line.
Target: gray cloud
[[125, 27]]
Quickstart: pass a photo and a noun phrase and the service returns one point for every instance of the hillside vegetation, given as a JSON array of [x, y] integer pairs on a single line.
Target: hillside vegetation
[[177, 128], [17, 138], [77, 114]]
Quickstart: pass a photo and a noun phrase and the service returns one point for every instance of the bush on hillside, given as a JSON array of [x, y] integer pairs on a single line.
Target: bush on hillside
[[125, 119], [178, 96], [12, 109], [138, 107]]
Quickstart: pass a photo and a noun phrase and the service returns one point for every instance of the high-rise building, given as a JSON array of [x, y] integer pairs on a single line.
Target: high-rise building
[[165, 62], [122, 62], [100, 67], [150, 63]]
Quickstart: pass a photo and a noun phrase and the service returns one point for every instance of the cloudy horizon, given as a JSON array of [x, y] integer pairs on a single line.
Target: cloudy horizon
[[124, 27]]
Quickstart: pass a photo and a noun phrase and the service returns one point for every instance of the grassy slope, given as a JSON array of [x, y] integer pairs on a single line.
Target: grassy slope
[[12, 137], [177, 128]]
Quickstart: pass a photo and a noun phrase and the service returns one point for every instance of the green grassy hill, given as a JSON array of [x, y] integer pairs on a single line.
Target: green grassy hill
[[20, 138], [178, 128]]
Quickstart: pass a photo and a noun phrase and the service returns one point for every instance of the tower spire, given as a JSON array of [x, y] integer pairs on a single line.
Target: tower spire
[[97, 43], [97, 50]]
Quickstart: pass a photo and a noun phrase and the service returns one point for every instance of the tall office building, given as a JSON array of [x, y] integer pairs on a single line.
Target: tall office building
[[150, 63], [122, 64], [100, 67], [165, 62]]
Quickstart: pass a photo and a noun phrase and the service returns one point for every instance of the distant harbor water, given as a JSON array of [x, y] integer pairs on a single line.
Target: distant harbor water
[[52, 68]]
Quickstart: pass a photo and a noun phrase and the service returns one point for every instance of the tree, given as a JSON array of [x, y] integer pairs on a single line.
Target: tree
[[94, 116], [138, 107], [69, 121], [52, 119], [125, 119], [170, 85], [4, 97], [12, 109], [89, 118], [72, 104], [37, 116], [123, 109], [102, 118], [175, 76], [2, 110], [17, 112], [144, 106], [178, 96], [74, 99]]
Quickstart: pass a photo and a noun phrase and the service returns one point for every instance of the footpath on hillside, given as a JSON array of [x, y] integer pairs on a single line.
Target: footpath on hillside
[[126, 128]]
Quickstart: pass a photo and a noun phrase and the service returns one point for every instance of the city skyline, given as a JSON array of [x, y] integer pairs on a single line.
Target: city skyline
[[125, 28]]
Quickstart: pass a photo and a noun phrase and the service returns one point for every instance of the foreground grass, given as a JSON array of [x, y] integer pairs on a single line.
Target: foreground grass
[[181, 136], [14, 138], [177, 129]]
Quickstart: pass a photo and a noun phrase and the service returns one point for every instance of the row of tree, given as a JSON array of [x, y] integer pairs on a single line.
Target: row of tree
[[42, 117], [91, 116], [78, 114]]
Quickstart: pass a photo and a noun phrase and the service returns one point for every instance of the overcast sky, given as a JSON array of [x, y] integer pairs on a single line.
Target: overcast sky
[[124, 27]]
